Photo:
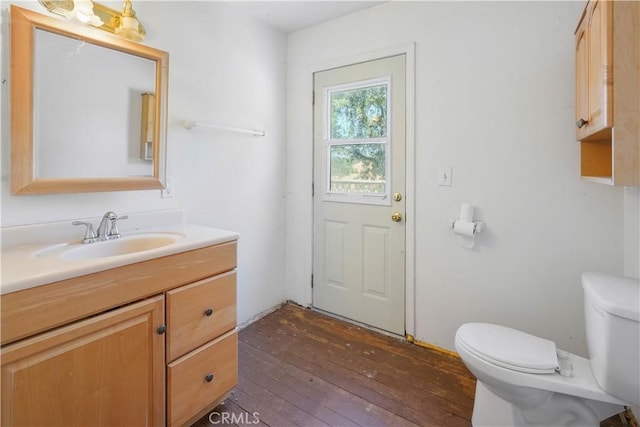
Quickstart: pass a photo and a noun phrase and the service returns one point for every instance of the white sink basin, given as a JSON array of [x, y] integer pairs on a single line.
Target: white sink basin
[[122, 246]]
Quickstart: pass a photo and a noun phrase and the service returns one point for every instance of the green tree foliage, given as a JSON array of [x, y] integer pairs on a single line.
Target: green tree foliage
[[359, 114], [359, 161]]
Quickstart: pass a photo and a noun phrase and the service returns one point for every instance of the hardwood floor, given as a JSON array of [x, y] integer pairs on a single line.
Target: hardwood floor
[[298, 367]]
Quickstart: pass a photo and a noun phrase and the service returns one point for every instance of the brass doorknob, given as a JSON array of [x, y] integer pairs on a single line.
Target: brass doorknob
[[396, 217]]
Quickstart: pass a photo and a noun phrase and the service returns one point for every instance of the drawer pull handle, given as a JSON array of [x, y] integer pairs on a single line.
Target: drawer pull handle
[[208, 378], [161, 329], [208, 312]]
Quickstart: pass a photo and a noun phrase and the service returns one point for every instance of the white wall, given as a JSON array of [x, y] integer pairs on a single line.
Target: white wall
[[632, 232], [224, 68], [494, 100], [231, 71]]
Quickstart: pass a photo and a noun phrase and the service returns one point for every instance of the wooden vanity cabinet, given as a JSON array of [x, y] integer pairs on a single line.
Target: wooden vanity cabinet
[[147, 344], [607, 60]]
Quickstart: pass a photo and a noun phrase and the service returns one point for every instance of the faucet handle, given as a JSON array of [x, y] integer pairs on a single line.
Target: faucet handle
[[113, 231], [89, 235]]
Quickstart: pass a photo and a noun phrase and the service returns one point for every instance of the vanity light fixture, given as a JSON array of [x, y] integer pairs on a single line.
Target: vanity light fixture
[[83, 13], [124, 24], [129, 27]]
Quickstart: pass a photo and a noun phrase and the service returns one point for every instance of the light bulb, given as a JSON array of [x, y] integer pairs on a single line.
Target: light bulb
[[83, 12], [129, 27]]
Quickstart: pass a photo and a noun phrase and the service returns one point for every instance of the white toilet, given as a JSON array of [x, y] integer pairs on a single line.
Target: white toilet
[[523, 380]]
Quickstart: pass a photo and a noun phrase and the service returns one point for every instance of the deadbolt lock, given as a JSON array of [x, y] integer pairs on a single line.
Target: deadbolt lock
[[397, 197], [396, 217]]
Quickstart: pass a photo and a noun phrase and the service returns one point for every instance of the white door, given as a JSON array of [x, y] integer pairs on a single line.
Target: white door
[[359, 184]]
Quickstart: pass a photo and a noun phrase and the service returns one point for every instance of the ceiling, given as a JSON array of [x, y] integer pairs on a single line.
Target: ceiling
[[290, 16]]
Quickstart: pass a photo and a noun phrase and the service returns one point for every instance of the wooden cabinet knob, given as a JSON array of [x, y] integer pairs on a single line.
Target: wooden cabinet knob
[[161, 329], [208, 378], [208, 312], [580, 123]]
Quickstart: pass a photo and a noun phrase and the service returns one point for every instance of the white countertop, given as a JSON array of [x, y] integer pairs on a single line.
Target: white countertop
[[32, 265]]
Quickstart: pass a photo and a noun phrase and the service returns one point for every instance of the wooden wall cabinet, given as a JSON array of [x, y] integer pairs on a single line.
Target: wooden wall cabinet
[[147, 344], [608, 92]]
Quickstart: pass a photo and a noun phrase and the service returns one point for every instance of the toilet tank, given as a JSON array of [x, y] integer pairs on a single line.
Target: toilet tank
[[612, 317]]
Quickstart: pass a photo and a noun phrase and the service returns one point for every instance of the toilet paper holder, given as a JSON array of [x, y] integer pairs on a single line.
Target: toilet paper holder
[[465, 225]]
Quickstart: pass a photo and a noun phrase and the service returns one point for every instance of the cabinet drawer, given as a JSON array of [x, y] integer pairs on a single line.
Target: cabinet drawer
[[200, 379], [200, 312]]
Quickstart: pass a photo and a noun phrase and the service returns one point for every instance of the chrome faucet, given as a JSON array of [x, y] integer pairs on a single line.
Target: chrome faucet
[[103, 228], [107, 230]]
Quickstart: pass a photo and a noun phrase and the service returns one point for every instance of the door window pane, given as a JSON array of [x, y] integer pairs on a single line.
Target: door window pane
[[358, 168], [358, 113]]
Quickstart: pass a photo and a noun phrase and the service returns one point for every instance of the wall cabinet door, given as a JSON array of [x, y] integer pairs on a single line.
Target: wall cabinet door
[[582, 81], [600, 35], [594, 71], [107, 370]]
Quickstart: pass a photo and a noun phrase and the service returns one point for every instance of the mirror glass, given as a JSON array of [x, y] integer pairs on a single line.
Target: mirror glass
[[72, 95], [96, 118]]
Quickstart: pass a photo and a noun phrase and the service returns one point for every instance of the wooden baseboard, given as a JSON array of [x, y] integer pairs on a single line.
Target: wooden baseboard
[[451, 353], [260, 315], [631, 419]]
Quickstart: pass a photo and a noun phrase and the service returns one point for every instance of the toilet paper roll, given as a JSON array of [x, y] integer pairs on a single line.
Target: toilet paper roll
[[467, 229], [466, 213], [465, 233]]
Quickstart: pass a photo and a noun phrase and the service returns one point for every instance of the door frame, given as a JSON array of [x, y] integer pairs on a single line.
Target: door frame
[[408, 50]]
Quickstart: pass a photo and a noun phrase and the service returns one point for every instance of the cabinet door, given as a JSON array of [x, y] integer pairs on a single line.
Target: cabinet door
[[582, 81], [600, 70], [107, 370]]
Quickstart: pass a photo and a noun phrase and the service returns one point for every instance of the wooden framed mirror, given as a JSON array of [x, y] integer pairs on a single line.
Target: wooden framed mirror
[[80, 110]]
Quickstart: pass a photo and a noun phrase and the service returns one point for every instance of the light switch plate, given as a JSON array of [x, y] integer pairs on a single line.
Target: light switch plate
[[444, 176]]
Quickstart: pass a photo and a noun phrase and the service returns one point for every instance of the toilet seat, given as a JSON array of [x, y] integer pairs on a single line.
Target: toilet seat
[[509, 348]]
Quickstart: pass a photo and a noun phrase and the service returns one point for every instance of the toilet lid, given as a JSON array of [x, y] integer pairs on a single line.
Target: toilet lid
[[509, 348]]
